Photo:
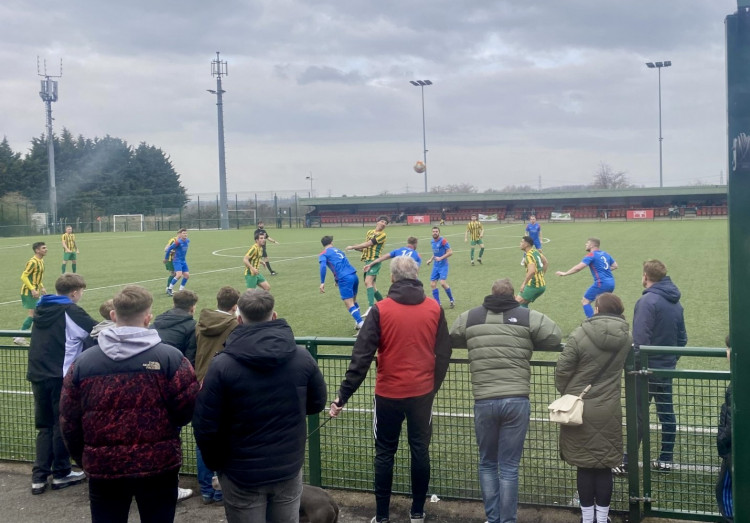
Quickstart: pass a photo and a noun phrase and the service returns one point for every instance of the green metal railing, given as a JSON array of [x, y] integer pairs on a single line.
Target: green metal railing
[[341, 452]]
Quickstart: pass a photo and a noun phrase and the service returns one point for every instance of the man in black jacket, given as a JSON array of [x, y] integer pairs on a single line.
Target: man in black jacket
[[176, 327], [59, 333], [249, 419]]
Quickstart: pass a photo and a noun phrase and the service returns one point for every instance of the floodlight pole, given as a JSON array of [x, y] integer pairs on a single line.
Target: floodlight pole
[[658, 66], [421, 84], [219, 69], [311, 182], [48, 94]]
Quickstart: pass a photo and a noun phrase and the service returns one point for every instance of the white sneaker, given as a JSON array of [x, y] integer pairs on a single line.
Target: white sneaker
[[183, 493], [23, 342], [74, 478], [359, 325]]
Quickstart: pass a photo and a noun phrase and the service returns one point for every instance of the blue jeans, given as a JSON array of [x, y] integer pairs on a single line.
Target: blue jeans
[[500, 425], [273, 503], [660, 390], [205, 477]]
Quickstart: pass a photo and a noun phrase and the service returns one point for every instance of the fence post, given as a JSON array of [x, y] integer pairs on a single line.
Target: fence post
[[631, 421], [313, 442]]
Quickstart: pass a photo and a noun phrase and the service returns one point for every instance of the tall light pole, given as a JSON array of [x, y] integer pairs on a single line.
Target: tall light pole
[[311, 181], [48, 94], [219, 69], [658, 66], [421, 84]]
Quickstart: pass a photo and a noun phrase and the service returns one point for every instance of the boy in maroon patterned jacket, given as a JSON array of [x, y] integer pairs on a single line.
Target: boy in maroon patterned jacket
[[122, 406]]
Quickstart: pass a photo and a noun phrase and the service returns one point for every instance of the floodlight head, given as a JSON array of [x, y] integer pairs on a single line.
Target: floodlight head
[[667, 63], [650, 65], [427, 82], [413, 83]]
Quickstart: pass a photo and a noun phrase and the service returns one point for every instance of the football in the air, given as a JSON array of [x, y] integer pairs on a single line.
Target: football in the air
[[419, 167]]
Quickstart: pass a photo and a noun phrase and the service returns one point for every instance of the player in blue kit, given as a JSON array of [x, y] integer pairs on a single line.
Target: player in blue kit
[[180, 248], [441, 250], [344, 274], [534, 230], [601, 265], [409, 250]]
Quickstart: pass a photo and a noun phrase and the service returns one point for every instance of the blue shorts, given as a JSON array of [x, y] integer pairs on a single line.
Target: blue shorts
[[439, 272], [595, 290], [180, 266], [537, 243], [348, 286]]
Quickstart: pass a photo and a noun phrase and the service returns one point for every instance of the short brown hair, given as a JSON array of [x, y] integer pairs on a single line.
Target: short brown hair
[[130, 302], [608, 303], [595, 241], [256, 305], [227, 298], [383, 217], [654, 270], [503, 287], [184, 299], [105, 308], [411, 240], [68, 283]]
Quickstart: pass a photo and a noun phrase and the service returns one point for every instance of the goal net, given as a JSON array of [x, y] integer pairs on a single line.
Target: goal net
[[127, 222], [242, 218]]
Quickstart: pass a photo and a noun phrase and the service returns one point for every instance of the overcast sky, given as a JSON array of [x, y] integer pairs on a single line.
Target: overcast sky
[[525, 92]]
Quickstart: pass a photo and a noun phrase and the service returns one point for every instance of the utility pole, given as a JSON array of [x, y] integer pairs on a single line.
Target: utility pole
[[219, 69], [48, 94]]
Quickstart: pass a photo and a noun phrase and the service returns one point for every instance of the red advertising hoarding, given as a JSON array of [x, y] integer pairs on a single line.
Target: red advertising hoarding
[[642, 214]]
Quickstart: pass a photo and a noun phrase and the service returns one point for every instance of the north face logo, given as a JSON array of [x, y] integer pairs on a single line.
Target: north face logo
[[512, 320], [152, 365]]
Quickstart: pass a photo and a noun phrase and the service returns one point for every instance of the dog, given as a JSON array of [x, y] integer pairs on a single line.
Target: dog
[[316, 505]]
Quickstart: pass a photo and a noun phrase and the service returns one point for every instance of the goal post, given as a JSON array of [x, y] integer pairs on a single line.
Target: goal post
[[127, 222], [242, 217]]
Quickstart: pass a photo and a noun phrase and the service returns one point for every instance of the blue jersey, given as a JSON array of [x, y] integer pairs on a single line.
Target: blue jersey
[[533, 229], [439, 248], [337, 261], [407, 251], [180, 248], [600, 264]]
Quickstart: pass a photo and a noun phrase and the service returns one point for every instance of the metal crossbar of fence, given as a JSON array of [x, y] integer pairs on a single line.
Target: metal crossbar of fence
[[341, 452]]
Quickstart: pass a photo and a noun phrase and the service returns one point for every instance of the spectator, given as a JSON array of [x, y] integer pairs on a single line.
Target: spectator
[[122, 406], [249, 420], [105, 310], [410, 335], [501, 336], [176, 327], [594, 355], [724, 446], [58, 335], [214, 326]]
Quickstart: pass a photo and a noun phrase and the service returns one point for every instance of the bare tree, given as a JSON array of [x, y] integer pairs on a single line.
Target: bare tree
[[607, 178], [454, 188]]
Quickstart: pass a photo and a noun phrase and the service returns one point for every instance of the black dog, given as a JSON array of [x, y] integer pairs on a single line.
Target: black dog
[[317, 506]]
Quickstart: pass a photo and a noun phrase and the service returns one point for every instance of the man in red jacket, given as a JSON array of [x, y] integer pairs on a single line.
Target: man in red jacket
[[410, 335]]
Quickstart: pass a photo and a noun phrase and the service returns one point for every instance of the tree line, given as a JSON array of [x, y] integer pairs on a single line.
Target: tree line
[[100, 175]]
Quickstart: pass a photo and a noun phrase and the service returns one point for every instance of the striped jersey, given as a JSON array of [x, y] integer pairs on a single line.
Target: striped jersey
[[32, 276], [533, 256], [373, 251], [254, 255], [475, 229], [69, 240], [167, 249]]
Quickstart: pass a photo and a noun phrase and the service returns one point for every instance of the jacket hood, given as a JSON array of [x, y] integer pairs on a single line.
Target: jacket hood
[[99, 327], [407, 292], [121, 343], [213, 323], [267, 344], [170, 318], [49, 309], [606, 331], [499, 303], [666, 289]]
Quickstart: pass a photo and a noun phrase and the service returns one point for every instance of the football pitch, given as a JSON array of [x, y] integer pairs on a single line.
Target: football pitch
[[691, 249]]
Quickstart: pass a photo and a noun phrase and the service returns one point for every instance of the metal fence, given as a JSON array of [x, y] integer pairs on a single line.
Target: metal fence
[[340, 454]]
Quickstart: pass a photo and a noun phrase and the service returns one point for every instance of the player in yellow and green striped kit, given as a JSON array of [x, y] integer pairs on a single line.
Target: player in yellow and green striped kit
[[475, 231], [253, 277], [70, 248], [371, 250], [32, 288], [168, 261], [533, 284]]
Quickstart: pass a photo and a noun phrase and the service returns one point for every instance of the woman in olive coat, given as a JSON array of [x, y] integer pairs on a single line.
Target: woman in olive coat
[[596, 445]]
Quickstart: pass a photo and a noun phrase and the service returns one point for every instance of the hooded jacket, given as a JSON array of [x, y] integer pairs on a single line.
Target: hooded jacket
[[211, 332], [658, 320], [501, 337], [597, 443], [250, 417], [60, 332], [123, 403], [176, 327], [410, 335]]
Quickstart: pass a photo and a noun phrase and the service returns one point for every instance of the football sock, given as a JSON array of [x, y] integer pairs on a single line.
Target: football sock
[[472, 255], [172, 282], [269, 267], [588, 310], [524, 305], [74, 268], [587, 514], [370, 296], [378, 296], [169, 280], [184, 282], [354, 311], [436, 295], [449, 293], [27, 323], [63, 268], [481, 253], [601, 514]]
